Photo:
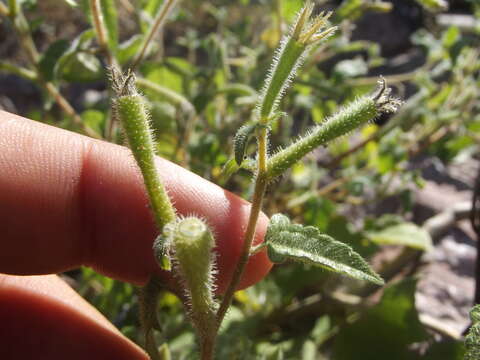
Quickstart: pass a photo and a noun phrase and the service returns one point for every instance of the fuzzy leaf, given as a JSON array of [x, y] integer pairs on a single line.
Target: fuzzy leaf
[[240, 141], [407, 234], [305, 243]]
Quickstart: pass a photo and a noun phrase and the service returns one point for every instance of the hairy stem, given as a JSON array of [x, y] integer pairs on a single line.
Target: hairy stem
[[133, 116], [259, 191]]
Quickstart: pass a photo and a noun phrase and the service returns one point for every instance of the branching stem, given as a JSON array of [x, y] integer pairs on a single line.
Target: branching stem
[[259, 191], [22, 28]]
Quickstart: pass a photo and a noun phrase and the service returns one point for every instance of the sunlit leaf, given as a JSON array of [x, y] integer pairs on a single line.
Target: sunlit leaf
[[305, 243], [407, 234]]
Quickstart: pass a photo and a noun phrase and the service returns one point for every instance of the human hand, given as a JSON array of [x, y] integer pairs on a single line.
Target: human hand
[[66, 201]]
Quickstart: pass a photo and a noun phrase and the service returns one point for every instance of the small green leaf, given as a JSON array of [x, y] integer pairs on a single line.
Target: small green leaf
[[240, 141], [407, 234], [81, 67], [51, 57], [434, 5], [128, 49], [109, 9], [110, 20], [305, 243]]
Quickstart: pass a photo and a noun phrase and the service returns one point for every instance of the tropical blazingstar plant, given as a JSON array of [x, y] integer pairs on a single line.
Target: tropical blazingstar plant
[[185, 246]]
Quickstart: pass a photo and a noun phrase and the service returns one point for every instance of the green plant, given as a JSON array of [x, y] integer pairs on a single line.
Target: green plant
[[197, 93], [189, 242]]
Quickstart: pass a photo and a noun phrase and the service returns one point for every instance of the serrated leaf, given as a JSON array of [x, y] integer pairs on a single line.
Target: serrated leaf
[[240, 141], [305, 243], [407, 234]]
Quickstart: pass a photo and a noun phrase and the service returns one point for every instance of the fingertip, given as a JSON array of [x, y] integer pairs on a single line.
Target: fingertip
[[43, 318]]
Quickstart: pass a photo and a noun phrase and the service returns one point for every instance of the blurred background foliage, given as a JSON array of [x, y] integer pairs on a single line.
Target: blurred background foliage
[[201, 79]]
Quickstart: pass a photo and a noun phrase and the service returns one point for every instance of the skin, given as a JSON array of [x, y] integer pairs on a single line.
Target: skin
[[67, 200]]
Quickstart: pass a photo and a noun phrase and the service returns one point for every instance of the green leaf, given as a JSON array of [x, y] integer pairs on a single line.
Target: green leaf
[[305, 243], [351, 68], [81, 67], [51, 57], [241, 140], [128, 49], [110, 20], [434, 5], [152, 6], [110, 16], [386, 331], [81, 42], [95, 120], [407, 234]]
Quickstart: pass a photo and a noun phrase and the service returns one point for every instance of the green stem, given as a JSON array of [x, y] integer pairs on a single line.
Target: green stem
[[172, 96], [133, 116], [259, 192], [13, 7], [67, 108], [18, 70], [347, 119]]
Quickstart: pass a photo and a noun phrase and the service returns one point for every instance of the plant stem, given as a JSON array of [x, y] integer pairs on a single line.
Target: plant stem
[[157, 24], [207, 348], [13, 6], [133, 115], [147, 301], [67, 108], [259, 191], [100, 30], [18, 70], [22, 28]]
